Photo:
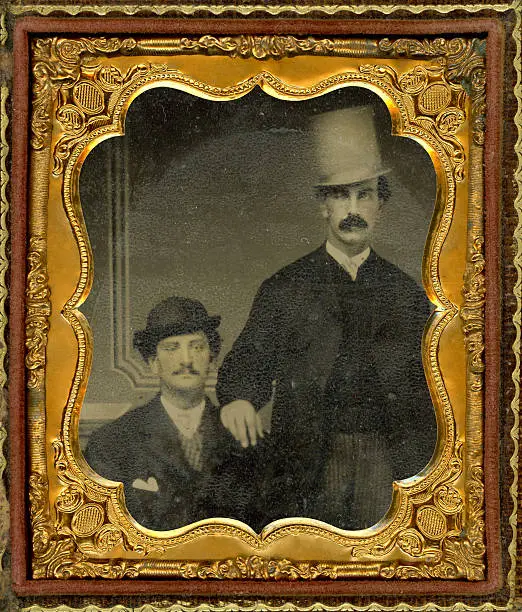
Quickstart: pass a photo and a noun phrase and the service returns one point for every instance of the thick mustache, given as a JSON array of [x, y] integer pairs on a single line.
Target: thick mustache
[[352, 221]]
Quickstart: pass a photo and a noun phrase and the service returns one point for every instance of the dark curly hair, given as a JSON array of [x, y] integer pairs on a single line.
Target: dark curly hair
[[383, 189]]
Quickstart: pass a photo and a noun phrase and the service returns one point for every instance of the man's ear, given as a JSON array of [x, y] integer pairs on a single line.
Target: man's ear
[[153, 365]]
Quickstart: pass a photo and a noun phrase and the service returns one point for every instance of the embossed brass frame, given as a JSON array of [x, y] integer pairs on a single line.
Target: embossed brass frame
[[436, 526]]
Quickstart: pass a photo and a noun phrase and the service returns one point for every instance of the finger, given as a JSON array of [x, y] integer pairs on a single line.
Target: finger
[[252, 428], [259, 425], [240, 432]]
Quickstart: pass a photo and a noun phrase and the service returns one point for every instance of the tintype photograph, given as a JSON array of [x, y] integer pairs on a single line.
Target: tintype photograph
[[258, 309], [258, 346]]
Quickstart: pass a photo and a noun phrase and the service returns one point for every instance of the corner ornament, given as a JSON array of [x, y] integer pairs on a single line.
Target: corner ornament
[[445, 540], [57, 549], [58, 64], [464, 64]]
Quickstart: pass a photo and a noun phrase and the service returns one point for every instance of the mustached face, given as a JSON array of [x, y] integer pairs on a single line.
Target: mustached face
[[351, 212], [182, 362]]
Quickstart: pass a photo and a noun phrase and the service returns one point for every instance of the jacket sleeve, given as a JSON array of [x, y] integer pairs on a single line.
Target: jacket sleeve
[[249, 370], [103, 453], [412, 419]]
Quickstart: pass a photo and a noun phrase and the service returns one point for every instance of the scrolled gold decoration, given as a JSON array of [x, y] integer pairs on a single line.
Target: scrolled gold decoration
[[440, 548], [107, 538], [70, 499], [48, 547], [57, 66], [38, 307], [4, 236], [71, 118], [257, 568], [475, 519], [89, 569], [464, 63], [472, 311], [441, 47], [110, 78], [384, 77], [244, 9], [4, 34], [411, 542], [448, 499], [3, 498], [258, 47], [428, 95], [450, 120], [513, 577], [85, 512], [95, 98], [56, 552], [415, 80]]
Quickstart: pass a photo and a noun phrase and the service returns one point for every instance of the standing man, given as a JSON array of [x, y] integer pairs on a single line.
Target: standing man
[[177, 462], [335, 340]]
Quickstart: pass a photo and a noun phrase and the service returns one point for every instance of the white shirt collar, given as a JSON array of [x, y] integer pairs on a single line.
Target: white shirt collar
[[186, 420], [350, 264]]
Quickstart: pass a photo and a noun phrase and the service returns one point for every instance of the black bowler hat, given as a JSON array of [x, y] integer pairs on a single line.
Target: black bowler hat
[[174, 316]]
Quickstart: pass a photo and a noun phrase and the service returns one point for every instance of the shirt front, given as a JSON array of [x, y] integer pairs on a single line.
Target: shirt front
[[186, 420], [350, 264]]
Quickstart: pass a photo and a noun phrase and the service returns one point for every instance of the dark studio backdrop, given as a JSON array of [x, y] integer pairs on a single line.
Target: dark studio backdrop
[[207, 199]]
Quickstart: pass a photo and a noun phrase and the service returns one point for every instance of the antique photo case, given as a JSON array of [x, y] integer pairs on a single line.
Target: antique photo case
[[261, 308]]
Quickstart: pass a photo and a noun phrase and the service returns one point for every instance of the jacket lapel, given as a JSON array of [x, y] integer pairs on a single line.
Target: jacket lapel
[[217, 443], [166, 453], [324, 314]]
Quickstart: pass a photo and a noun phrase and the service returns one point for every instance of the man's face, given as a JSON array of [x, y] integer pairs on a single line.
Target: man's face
[[351, 212], [182, 362]]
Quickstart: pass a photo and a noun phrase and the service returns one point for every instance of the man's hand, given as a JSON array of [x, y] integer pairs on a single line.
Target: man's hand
[[243, 422]]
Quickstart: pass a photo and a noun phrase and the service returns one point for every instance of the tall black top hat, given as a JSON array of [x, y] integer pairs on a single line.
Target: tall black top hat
[[173, 317]]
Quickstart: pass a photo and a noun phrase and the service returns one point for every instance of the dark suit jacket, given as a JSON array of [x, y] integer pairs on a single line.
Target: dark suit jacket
[[339, 356], [144, 443]]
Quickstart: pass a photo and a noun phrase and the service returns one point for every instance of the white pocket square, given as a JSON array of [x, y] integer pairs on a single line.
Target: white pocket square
[[150, 485]]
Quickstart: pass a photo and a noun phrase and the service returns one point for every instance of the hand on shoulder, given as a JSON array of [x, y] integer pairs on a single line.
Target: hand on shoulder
[[243, 422]]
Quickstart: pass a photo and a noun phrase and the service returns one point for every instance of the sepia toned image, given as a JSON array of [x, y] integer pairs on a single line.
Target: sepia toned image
[[258, 309]]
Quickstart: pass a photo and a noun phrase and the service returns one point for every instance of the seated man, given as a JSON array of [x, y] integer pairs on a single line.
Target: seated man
[[177, 462]]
